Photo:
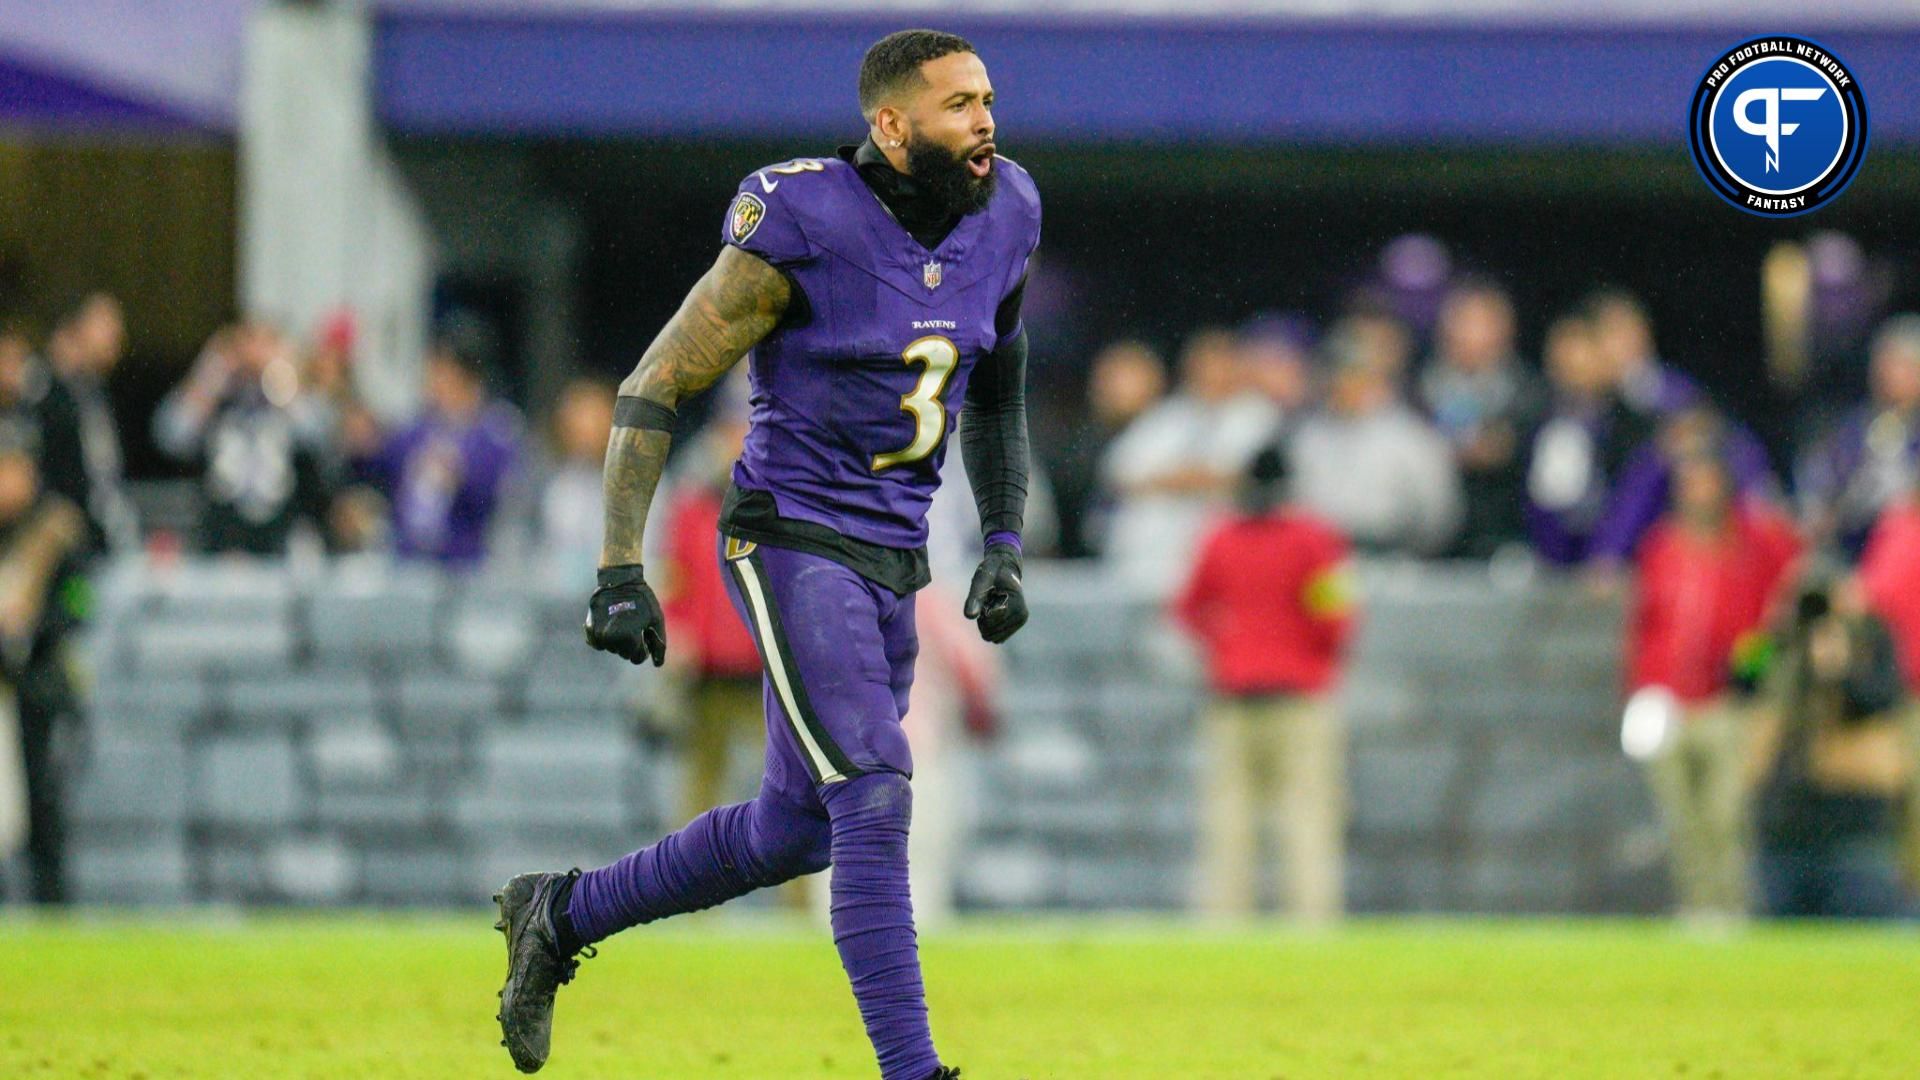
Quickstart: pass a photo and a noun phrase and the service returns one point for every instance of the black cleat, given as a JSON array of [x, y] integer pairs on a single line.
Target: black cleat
[[535, 966], [945, 1073]]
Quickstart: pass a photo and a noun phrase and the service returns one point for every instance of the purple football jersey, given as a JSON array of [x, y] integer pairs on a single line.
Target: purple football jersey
[[852, 406]]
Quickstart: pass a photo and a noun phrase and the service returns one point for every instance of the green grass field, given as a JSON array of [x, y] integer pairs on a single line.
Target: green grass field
[[717, 1000]]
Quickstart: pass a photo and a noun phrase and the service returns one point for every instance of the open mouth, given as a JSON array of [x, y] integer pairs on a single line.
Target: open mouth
[[980, 162]]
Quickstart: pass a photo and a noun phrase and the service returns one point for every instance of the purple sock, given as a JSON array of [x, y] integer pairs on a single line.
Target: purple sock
[[723, 853], [873, 919]]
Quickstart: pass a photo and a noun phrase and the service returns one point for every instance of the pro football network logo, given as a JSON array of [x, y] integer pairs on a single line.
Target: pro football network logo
[[1779, 126]]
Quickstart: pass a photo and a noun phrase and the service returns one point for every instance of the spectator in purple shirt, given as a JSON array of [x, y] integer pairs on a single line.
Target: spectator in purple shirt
[[1872, 456], [445, 474], [1580, 447]]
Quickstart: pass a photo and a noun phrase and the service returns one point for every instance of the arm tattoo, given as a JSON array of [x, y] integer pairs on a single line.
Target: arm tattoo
[[738, 302]]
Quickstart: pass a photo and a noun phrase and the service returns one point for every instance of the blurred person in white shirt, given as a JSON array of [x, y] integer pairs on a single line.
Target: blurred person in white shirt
[[263, 462], [1369, 463], [1179, 462]]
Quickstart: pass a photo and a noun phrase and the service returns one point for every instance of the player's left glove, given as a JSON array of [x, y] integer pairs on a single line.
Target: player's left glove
[[624, 618], [995, 599]]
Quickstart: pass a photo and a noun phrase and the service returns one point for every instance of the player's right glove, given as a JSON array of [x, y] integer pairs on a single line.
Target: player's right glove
[[624, 617], [996, 601]]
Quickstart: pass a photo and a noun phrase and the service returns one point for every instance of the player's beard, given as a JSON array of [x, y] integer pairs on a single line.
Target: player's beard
[[945, 174]]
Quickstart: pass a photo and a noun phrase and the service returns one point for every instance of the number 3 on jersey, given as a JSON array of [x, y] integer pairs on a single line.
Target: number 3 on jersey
[[923, 404]]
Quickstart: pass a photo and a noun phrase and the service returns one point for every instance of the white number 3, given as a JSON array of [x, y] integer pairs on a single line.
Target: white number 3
[[929, 416]]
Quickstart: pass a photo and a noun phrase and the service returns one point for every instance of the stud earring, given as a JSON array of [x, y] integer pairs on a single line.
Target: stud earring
[[895, 143]]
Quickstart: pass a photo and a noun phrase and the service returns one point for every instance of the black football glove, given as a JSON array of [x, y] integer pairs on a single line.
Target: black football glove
[[995, 599], [624, 617]]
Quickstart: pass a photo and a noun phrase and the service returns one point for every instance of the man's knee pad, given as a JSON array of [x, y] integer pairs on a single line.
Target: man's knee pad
[[877, 799], [789, 841]]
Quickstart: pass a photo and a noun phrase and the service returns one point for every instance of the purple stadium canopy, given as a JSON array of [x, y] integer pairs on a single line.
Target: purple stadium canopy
[[1158, 79], [36, 94], [145, 65]]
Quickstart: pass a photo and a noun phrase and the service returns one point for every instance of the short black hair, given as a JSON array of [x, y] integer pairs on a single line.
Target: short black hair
[[894, 61], [1265, 482]]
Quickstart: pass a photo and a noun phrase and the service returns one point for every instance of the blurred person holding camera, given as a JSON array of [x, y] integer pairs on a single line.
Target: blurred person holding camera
[[1872, 457], [1366, 461], [238, 417], [445, 474], [1485, 401], [1832, 761], [43, 537], [1890, 585], [1269, 601], [1709, 574]]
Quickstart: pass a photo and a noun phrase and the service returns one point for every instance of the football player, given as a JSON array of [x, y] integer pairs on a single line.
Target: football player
[[878, 291]]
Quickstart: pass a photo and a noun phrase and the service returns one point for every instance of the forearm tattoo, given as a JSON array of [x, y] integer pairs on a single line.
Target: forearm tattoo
[[738, 302]]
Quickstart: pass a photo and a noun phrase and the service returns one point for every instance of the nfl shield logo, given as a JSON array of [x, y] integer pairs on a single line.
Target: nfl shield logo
[[930, 273]]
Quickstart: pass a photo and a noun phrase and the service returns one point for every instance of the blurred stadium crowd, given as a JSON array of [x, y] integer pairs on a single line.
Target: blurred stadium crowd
[[1433, 439], [1774, 591], [1773, 612]]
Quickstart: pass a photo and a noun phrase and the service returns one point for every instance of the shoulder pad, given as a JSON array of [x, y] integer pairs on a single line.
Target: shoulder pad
[[773, 208]]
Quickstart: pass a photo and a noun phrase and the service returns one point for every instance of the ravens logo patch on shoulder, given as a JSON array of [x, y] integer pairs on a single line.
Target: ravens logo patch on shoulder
[[748, 210]]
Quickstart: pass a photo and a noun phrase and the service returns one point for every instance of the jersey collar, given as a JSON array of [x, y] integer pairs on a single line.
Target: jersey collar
[[907, 199]]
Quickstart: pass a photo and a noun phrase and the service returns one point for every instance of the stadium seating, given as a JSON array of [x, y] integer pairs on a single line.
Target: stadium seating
[[360, 735]]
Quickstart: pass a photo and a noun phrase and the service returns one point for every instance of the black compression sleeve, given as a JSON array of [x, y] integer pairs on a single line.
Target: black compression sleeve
[[638, 412], [993, 436]]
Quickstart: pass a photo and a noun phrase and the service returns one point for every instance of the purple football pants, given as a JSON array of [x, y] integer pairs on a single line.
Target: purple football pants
[[838, 653]]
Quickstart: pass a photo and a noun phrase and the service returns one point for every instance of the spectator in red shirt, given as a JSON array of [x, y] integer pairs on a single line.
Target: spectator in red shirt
[[1269, 602], [1709, 573]]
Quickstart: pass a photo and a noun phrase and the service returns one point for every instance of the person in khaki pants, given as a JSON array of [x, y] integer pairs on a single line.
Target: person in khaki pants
[[1709, 573], [1699, 781], [1269, 602]]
